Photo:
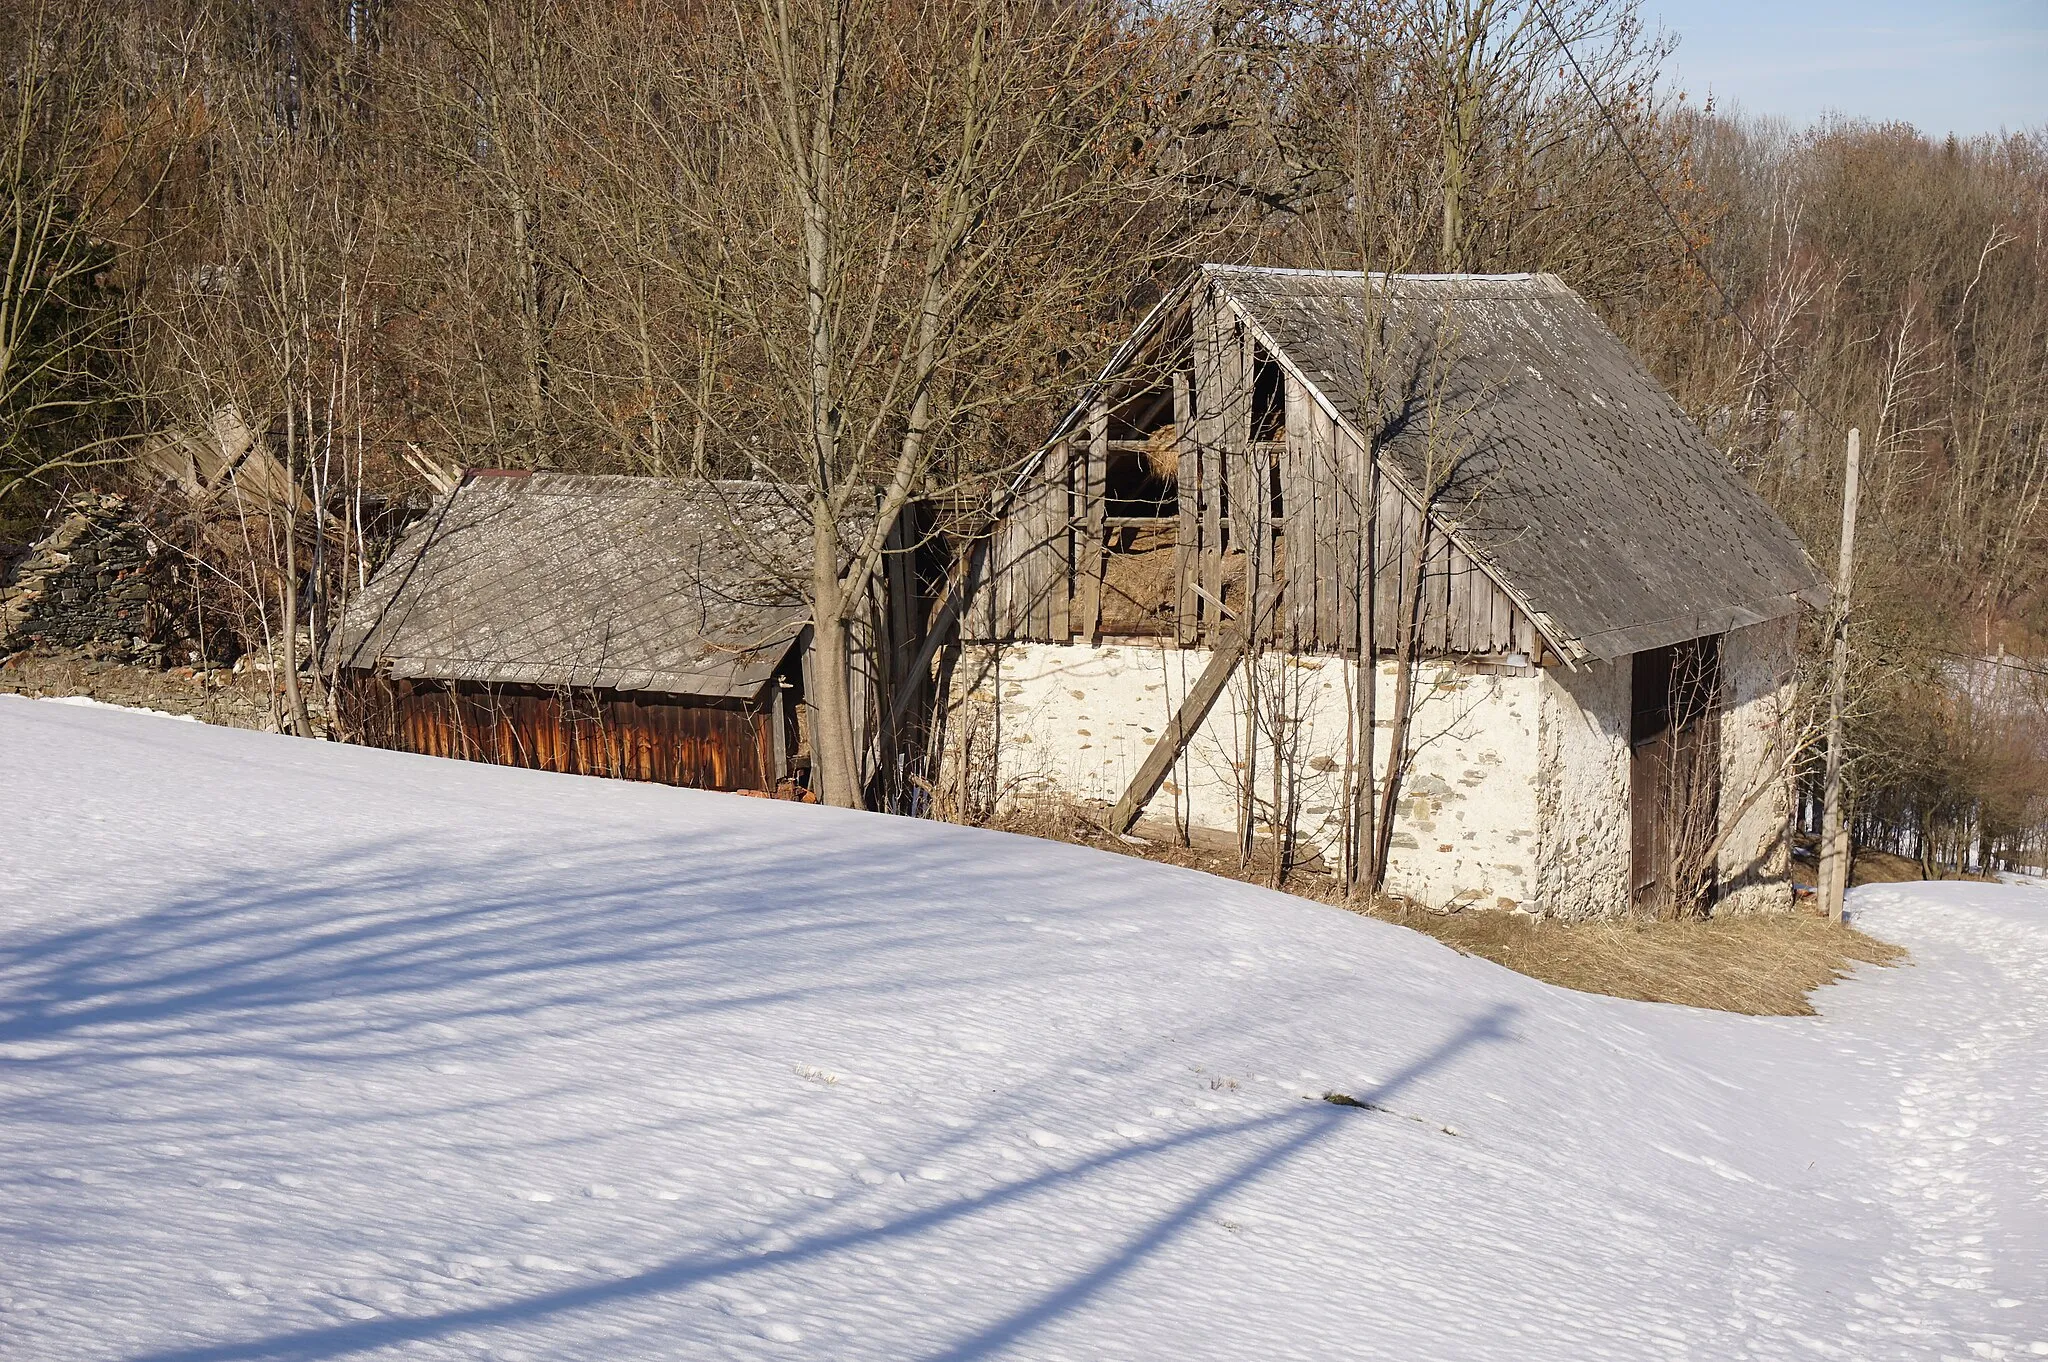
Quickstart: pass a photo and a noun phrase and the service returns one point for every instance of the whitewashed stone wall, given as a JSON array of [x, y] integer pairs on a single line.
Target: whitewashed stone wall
[[1756, 727], [1583, 792], [1520, 792], [1078, 721]]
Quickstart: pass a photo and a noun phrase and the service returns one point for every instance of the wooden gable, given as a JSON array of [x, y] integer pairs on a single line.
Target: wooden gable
[[1267, 486]]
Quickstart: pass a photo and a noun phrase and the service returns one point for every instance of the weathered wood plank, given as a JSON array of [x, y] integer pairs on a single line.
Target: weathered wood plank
[[1187, 546], [1234, 441], [1060, 502], [1209, 409], [1344, 521], [1460, 606], [1298, 527], [1090, 538], [1337, 522], [1436, 577], [1050, 502], [1031, 531], [1396, 551]]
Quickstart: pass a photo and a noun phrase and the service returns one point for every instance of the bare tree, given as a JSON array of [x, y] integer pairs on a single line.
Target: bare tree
[[887, 240], [78, 170]]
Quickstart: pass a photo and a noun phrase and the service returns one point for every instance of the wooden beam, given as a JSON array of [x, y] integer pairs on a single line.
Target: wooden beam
[[1091, 545], [1298, 528], [1201, 698], [1059, 477], [1187, 547], [1210, 425]]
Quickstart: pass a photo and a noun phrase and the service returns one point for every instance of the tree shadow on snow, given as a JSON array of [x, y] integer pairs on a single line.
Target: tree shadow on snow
[[1280, 1138], [406, 947]]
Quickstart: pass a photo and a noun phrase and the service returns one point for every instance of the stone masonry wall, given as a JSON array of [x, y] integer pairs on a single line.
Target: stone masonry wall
[[1042, 719], [1583, 794], [1756, 779], [96, 584]]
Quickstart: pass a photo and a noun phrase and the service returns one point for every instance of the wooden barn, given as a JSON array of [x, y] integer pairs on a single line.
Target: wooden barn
[[642, 628], [1590, 613]]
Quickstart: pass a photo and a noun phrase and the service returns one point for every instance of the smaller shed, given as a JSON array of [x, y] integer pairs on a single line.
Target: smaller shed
[[643, 628]]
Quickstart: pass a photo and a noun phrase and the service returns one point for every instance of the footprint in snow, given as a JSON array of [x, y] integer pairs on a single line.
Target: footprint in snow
[[538, 1196], [1045, 1139], [600, 1191]]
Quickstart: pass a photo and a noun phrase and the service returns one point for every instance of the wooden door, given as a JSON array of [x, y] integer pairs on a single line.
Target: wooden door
[[1674, 777]]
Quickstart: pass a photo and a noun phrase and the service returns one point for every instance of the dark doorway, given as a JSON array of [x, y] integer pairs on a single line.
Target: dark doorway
[[1674, 777]]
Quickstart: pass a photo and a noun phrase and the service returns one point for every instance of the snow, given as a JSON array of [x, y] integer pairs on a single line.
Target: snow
[[88, 702], [311, 1052]]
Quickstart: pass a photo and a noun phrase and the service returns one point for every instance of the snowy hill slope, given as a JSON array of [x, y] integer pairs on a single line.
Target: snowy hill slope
[[312, 1052]]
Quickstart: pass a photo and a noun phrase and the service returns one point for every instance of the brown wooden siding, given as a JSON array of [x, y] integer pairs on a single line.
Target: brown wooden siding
[[672, 741]]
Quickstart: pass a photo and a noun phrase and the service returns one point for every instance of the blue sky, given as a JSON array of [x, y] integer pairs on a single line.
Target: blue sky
[[1967, 67]]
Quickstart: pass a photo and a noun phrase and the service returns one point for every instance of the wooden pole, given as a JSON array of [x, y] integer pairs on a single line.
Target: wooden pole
[[1834, 825]]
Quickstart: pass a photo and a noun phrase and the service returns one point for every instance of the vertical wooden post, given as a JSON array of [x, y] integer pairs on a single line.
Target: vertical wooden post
[[1094, 511], [1209, 427], [1187, 546], [1834, 826], [1064, 529]]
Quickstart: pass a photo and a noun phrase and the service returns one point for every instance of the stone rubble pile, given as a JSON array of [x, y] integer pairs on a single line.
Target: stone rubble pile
[[97, 584]]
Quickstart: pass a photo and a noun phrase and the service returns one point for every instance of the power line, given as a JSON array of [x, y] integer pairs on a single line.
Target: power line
[[1677, 228], [2002, 660]]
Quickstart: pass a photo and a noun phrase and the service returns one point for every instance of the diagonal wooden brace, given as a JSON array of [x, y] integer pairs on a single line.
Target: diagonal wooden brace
[[1201, 698]]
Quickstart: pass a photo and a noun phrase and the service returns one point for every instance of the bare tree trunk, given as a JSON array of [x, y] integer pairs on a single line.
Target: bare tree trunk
[[1365, 839], [835, 755], [294, 700], [1406, 658]]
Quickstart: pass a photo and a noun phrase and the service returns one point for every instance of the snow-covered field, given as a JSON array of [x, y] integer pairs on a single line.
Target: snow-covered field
[[312, 1052]]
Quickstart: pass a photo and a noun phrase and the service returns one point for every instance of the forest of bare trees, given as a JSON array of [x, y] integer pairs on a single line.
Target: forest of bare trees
[[869, 247]]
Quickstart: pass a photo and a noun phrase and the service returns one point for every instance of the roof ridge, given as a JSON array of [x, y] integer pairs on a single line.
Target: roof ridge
[[1513, 277]]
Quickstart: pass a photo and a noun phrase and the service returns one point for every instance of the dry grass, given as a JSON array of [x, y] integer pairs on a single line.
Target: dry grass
[[1881, 867], [1759, 966]]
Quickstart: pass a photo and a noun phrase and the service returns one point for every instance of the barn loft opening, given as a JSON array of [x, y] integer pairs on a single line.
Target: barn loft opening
[[1141, 508], [1269, 400], [1141, 479], [1143, 484]]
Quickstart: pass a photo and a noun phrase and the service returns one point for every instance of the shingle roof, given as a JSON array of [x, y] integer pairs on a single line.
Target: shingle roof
[[634, 584], [1579, 481]]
